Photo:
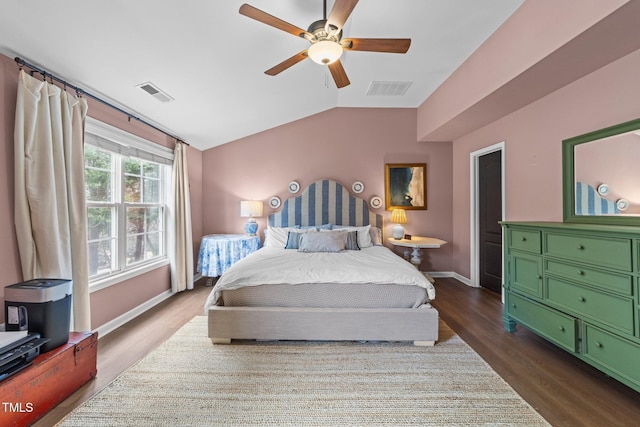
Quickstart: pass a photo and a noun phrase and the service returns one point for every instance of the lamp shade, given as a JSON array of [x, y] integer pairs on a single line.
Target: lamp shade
[[398, 216], [251, 208], [325, 52]]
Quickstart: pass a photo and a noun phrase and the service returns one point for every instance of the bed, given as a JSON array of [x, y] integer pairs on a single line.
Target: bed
[[323, 274]]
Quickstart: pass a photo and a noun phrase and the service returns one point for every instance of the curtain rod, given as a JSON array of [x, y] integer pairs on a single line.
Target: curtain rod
[[79, 91]]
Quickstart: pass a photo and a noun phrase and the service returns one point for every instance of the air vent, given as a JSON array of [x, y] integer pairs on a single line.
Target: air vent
[[387, 88], [156, 92]]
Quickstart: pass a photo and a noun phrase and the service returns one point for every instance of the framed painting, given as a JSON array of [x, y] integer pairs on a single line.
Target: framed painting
[[405, 186]]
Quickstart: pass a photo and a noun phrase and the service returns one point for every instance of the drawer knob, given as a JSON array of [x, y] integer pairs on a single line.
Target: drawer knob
[[561, 328], [580, 273], [580, 247], [514, 305], [524, 239], [582, 299], [599, 344]]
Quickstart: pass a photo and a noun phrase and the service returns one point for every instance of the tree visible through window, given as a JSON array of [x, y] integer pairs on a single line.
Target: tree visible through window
[[125, 206]]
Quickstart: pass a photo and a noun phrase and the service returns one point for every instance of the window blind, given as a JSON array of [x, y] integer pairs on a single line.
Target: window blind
[[107, 137]]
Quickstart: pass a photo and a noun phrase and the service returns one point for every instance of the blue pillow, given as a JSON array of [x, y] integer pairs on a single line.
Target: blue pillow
[[293, 240]]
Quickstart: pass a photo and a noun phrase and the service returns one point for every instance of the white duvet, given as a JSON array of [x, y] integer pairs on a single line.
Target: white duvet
[[270, 265]]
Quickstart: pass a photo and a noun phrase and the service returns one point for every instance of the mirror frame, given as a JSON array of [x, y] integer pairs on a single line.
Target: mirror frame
[[568, 176]]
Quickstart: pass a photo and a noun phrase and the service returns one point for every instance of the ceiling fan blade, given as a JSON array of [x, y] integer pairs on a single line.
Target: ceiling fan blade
[[377, 45], [339, 75], [339, 14], [287, 63], [271, 20]]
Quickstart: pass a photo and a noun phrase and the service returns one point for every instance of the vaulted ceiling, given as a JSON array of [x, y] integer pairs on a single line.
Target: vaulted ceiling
[[211, 60]]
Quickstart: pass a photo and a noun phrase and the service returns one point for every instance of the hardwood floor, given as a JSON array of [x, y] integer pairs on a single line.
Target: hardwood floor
[[128, 344], [565, 390]]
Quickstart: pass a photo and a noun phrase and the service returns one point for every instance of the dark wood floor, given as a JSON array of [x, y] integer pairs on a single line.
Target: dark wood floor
[[565, 390]]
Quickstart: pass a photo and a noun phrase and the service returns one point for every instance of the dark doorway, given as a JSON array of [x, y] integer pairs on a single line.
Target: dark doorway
[[490, 212]]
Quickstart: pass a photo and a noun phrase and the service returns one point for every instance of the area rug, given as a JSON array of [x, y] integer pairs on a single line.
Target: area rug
[[187, 381]]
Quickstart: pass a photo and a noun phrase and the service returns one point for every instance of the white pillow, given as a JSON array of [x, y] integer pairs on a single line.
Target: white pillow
[[277, 236], [322, 242], [376, 236], [364, 236]]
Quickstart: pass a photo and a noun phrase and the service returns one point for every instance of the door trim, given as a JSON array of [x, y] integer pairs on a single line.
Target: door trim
[[475, 223]]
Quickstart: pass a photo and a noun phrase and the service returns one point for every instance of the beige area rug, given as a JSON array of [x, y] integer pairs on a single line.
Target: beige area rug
[[188, 381]]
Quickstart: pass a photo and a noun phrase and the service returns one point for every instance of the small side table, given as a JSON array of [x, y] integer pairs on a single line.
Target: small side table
[[218, 252], [417, 243]]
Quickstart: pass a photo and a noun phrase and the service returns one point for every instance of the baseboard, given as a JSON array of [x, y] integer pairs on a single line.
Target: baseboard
[[137, 311], [133, 313], [451, 274]]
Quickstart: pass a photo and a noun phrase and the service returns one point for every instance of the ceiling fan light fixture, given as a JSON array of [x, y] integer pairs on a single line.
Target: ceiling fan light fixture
[[325, 52]]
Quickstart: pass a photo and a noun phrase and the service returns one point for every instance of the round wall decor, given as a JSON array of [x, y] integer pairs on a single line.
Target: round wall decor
[[375, 202], [294, 187], [603, 189], [274, 202], [357, 187], [622, 204]]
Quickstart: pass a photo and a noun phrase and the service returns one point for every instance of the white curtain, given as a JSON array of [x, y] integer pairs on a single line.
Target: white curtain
[[50, 210], [181, 251]]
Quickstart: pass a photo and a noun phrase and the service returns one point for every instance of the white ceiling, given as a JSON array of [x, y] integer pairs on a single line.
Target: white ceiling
[[212, 60]]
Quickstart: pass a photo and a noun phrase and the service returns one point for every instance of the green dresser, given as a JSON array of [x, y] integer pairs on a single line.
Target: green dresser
[[577, 286]]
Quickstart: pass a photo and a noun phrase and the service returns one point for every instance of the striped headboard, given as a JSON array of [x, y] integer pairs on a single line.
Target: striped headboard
[[589, 202], [325, 202]]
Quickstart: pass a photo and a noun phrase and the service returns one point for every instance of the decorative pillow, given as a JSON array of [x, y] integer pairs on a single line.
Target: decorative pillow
[[277, 236], [293, 237], [351, 244], [322, 242], [364, 238]]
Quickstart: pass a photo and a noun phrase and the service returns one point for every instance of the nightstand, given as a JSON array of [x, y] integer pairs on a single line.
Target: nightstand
[[218, 252], [417, 243]]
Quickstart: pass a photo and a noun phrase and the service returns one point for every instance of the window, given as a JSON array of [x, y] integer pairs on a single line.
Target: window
[[127, 182]]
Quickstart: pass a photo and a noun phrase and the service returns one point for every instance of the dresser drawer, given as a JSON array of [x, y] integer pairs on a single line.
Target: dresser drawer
[[613, 282], [525, 240], [526, 274], [551, 324], [602, 251], [609, 310], [618, 357]]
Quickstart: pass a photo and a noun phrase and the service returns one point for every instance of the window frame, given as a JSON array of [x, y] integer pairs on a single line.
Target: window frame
[[124, 144]]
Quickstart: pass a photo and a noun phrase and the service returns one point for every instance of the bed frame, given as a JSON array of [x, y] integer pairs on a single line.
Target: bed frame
[[324, 202]]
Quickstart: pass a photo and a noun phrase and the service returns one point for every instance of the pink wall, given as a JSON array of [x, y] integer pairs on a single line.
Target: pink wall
[[534, 137], [543, 46], [344, 144], [112, 302]]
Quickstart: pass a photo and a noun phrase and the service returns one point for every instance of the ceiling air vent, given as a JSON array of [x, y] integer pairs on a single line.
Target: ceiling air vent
[[387, 88], [156, 92]]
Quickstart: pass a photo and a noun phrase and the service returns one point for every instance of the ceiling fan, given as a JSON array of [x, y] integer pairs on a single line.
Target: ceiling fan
[[326, 39]]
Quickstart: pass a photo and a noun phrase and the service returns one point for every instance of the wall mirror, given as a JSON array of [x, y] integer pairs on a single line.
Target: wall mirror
[[601, 176]]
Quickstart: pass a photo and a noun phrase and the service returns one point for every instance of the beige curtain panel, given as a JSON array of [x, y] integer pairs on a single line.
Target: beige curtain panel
[[50, 210], [181, 244]]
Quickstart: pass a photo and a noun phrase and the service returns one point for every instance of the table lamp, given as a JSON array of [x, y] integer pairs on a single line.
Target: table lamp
[[251, 209], [398, 216]]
